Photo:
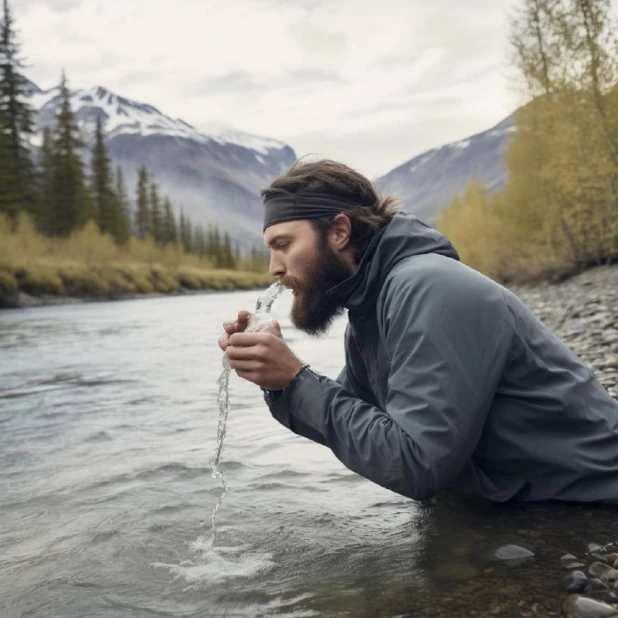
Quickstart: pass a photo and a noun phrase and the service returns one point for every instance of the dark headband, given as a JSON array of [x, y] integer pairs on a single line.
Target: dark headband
[[302, 206]]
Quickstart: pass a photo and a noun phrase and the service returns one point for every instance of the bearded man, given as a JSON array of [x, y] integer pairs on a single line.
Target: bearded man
[[450, 381]]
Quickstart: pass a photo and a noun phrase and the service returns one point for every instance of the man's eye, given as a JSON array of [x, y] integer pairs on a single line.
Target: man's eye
[[283, 245]]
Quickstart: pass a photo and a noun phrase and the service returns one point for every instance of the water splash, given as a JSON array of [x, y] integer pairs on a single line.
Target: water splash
[[259, 321]]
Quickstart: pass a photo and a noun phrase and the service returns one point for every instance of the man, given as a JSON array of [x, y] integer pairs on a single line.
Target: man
[[450, 381]]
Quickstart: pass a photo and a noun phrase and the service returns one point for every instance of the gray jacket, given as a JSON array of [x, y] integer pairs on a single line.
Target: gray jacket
[[452, 382]]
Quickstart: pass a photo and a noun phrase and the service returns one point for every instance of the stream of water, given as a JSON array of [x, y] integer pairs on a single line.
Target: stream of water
[[260, 320]]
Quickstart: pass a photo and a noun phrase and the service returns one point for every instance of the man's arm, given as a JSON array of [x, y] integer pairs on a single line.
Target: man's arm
[[351, 379], [447, 332]]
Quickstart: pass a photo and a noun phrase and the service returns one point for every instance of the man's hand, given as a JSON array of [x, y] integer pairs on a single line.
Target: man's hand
[[238, 326], [262, 358]]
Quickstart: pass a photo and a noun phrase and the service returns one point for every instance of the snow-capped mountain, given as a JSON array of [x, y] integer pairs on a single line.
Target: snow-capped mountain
[[214, 178], [428, 182]]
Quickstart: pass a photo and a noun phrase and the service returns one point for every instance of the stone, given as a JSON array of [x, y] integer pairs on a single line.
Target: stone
[[577, 606], [611, 362], [603, 571], [569, 558], [594, 547], [575, 581], [511, 553], [574, 565]]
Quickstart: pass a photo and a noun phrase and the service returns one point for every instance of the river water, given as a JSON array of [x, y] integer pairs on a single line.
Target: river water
[[108, 422]]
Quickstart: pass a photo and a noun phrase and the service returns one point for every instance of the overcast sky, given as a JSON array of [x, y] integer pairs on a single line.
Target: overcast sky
[[369, 83]]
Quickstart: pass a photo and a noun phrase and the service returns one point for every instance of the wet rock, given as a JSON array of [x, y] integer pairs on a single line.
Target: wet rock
[[569, 558], [594, 547], [575, 581], [595, 586], [513, 554], [574, 565], [598, 557], [577, 606], [611, 362], [603, 571], [612, 558]]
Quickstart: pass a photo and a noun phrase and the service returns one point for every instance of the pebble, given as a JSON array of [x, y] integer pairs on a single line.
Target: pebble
[[598, 569], [577, 606], [509, 553], [575, 581]]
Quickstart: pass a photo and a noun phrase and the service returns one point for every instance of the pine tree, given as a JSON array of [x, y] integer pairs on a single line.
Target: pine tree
[[199, 241], [46, 183], [72, 206], [227, 255], [106, 204], [142, 216], [17, 182], [187, 236], [123, 229], [156, 217], [169, 224]]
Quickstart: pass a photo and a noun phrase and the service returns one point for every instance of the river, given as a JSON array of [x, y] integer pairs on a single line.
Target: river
[[108, 421]]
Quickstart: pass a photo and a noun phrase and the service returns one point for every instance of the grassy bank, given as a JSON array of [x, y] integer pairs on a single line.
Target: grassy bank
[[90, 265]]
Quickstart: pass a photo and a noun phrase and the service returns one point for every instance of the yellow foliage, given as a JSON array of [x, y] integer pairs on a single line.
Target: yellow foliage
[[89, 263]]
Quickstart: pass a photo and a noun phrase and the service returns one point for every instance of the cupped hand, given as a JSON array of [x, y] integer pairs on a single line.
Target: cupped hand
[[239, 325], [263, 358]]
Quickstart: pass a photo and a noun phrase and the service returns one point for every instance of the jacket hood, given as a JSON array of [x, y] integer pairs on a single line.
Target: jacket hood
[[403, 237]]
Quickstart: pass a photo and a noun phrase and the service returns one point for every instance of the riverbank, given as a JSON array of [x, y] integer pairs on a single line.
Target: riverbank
[[51, 283]]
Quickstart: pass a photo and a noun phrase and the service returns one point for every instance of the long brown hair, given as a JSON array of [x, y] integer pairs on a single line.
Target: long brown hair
[[338, 181]]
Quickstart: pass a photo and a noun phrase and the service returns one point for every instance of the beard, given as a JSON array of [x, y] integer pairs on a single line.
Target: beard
[[313, 311]]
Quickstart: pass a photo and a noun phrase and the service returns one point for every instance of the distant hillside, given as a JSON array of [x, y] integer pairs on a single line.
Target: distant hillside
[[429, 181], [214, 178]]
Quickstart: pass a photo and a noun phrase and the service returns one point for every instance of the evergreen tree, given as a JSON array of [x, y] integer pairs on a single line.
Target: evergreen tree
[[169, 224], [71, 202], [123, 229], [17, 181], [227, 254], [156, 217], [142, 217], [46, 183], [199, 241], [187, 239], [106, 203]]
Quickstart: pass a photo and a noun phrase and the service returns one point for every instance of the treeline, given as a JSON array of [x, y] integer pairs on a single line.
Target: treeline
[[559, 211], [61, 194]]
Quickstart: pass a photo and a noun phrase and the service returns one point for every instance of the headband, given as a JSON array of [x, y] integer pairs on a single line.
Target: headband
[[302, 206]]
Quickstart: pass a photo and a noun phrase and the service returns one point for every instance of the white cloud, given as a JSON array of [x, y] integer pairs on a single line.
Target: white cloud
[[369, 83]]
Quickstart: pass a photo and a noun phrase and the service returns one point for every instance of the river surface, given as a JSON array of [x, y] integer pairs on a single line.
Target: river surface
[[108, 421]]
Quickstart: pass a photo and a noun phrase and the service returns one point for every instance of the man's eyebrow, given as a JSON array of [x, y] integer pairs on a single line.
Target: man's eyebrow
[[275, 239]]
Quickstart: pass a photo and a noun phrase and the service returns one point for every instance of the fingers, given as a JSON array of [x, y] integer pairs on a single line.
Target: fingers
[[240, 325], [250, 339], [252, 352]]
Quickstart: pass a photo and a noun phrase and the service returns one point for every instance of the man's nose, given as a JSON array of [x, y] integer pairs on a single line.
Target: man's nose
[[275, 267]]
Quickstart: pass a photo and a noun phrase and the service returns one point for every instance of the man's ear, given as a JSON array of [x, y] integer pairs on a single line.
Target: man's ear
[[340, 232]]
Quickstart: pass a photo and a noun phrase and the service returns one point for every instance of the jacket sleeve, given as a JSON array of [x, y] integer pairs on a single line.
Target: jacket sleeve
[[352, 379], [447, 332]]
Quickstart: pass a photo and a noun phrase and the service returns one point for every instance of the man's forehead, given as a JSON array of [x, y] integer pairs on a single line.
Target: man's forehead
[[286, 228]]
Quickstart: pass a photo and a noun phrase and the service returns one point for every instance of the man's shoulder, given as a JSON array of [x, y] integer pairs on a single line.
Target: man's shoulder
[[439, 275]]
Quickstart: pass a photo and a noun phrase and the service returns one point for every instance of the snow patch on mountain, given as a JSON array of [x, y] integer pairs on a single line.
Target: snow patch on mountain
[[124, 116]]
